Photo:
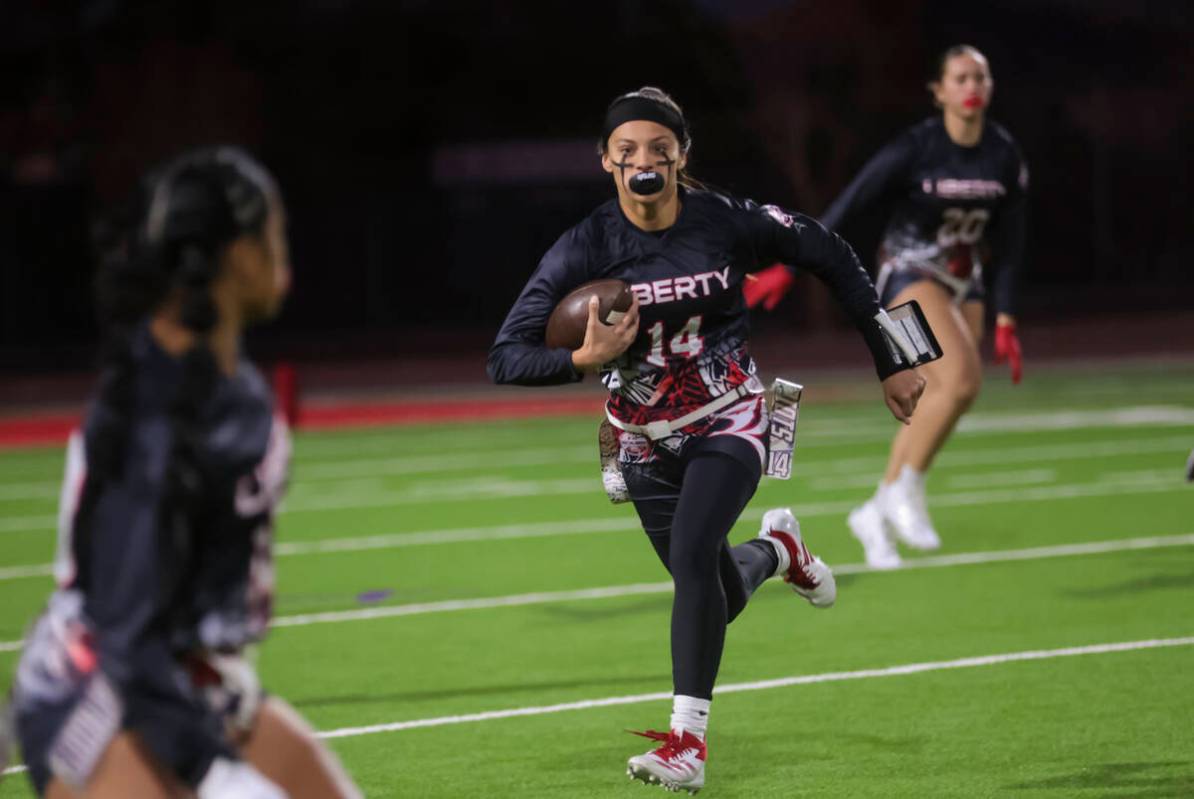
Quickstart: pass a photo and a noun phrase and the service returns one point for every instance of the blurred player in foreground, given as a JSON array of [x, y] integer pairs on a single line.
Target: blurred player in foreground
[[947, 182], [685, 398], [134, 682]]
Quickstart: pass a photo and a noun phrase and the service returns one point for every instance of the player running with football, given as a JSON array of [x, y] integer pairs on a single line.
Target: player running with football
[[684, 394], [954, 184], [134, 682]]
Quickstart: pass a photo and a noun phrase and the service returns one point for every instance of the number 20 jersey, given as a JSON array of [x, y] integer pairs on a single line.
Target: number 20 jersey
[[692, 339], [948, 204]]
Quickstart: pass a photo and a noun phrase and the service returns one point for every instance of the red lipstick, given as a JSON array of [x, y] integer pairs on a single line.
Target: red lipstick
[[973, 102]]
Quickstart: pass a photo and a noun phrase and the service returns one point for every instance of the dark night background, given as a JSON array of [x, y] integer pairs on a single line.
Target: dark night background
[[431, 151]]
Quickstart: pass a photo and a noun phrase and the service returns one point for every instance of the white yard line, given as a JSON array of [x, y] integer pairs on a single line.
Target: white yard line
[[814, 434], [609, 524], [765, 685], [643, 589], [28, 524], [640, 589], [901, 670], [21, 572], [313, 477], [498, 488], [604, 524], [953, 457]]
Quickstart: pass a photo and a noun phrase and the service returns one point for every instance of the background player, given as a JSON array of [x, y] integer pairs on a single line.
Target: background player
[[134, 680], [684, 393], [953, 184]]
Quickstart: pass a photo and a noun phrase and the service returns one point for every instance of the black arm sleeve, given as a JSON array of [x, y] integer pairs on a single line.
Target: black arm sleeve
[[801, 242], [1008, 241], [879, 176], [124, 603], [518, 355]]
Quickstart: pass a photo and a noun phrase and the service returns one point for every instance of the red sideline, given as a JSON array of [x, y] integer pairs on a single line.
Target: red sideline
[[53, 430]]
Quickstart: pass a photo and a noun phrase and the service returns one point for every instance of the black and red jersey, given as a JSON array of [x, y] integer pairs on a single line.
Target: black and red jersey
[[693, 331], [949, 204]]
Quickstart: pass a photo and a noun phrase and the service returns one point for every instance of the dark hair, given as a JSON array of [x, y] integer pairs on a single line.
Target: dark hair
[[169, 237], [953, 52], [672, 109]]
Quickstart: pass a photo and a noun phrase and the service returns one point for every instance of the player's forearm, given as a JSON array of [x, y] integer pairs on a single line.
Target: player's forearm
[[522, 364]]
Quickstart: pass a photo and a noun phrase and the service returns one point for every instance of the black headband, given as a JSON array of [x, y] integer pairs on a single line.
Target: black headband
[[633, 108]]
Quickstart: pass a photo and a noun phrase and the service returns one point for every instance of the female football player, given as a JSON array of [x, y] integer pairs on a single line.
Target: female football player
[[134, 681], [954, 184], [684, 394]]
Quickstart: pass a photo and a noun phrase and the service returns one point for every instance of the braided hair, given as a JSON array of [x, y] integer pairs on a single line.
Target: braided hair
[[167, 242]]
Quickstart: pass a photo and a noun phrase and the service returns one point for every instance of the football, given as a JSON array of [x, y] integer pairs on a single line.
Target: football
[[567, 323]]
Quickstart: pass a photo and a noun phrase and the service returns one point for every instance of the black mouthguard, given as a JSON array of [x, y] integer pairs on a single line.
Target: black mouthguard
[[646, 183]]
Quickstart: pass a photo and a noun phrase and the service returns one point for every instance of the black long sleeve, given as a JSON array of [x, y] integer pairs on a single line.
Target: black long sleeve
[[518, 355], [799, 241], [1008, 239], [875, 181]]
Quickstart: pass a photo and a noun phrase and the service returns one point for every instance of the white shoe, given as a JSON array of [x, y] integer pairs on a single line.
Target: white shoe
[[902, 504], [807, 574], [866, 524], [678, 764]]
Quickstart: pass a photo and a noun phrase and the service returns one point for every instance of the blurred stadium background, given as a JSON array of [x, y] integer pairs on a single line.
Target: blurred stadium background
[[429, 153]]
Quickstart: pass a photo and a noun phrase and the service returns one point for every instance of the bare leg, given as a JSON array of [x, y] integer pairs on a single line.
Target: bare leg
[[284, 748], [125, 770], [953, 380]]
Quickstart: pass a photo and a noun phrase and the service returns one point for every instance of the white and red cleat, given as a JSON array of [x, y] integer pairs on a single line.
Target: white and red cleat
[[678, 764], [807, 574]]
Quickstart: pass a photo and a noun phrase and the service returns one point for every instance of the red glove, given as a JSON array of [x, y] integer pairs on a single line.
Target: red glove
[[1007, 348], [768, 286]]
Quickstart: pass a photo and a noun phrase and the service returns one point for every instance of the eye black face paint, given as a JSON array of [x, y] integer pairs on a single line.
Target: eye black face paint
[[646, 183]]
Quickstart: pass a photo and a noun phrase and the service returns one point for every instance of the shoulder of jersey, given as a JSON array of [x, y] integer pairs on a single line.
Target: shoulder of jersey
[[1001, 134], [926, 129], [593, 228], [715, 201]]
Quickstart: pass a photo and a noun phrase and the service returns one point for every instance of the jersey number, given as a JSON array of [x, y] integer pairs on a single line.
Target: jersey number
[[962, 227], [686, 342]]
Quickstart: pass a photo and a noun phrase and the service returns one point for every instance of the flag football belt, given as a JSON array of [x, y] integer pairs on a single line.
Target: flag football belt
[[663, 428], [958, 286], [783, 411]]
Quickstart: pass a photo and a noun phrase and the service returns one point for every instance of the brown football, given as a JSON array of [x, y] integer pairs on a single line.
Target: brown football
[[567, 323]]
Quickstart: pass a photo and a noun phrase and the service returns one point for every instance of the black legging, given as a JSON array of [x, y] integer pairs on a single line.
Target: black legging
[[687, 509]]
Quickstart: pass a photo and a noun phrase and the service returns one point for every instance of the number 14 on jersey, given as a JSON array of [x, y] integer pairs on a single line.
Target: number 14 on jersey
[[687, 341]]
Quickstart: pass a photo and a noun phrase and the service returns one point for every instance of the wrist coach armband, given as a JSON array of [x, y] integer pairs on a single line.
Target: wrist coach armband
[[910, 340]]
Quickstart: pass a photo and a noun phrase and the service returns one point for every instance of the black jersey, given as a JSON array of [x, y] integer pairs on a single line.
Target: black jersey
[[150, 592], [692, 339], [947, 201]]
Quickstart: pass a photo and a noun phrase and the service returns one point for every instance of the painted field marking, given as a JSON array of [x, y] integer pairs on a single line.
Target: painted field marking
[[641, 589], [823, 433], [901, 670], [765, 685], [644, 589], [497, 488], [952, 457], [510, 532]]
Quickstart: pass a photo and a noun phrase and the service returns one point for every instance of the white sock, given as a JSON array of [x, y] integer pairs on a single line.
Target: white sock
[[910, 476], [690, 714]]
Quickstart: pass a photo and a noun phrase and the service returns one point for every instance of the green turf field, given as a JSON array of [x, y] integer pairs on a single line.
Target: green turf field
[[1067, 525]]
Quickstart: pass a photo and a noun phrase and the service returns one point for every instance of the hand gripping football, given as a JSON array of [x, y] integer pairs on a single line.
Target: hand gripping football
[[567, 323]]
